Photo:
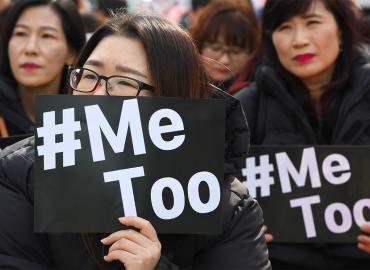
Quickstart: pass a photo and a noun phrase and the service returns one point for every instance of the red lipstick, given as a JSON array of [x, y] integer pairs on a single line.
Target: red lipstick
[[30, 65], [304, 58]]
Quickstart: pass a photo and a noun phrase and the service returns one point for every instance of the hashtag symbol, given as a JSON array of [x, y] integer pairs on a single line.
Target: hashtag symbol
[[258, 176], [69, 144]]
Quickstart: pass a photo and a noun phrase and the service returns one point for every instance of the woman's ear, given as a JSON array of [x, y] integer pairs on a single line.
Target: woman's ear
[[71, 56]]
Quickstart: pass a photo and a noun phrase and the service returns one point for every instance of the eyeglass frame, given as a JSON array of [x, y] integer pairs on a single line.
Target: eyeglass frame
[[141, 85], [223, 50]]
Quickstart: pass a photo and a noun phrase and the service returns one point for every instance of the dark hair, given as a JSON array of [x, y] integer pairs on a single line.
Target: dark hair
[[173, 60], [197, 4], [233, 19], [347, 16], [71, 23]]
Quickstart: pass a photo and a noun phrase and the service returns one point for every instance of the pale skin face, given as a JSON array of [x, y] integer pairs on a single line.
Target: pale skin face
[[38, 50], [118, 55], [221, 65], [308, 46]]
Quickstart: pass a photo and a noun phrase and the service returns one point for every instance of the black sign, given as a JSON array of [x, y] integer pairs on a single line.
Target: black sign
[[311, 194], [101, 158]]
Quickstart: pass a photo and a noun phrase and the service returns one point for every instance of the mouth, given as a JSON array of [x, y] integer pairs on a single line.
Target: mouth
[[222, 70], [30, 65], [304, 58]]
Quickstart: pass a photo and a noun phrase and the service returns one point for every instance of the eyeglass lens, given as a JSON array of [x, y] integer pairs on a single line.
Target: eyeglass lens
[[85, 80]]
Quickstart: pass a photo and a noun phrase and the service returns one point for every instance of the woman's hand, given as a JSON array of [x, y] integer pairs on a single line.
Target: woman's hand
[[268, 236], [363, 241], [136, 250]]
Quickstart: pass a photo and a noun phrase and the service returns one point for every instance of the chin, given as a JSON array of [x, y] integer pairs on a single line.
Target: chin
[[220, 78]]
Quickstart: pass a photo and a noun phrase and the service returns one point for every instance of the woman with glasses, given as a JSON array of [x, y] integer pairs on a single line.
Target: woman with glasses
[[40, 38], [226, 33], [135, 55]]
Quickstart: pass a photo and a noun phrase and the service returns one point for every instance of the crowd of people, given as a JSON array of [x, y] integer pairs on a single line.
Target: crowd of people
[[297, 75]]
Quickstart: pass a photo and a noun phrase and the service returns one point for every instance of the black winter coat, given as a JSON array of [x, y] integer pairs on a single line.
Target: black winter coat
[[276, 118], [11, 109], [241, 245]]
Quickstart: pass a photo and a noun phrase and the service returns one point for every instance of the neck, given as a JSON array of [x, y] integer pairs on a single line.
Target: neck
[[316, 87], [28, 96]]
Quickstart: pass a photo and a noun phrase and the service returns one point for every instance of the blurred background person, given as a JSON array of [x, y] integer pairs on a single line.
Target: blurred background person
[[4, 6], [226, 33], [172, 10], [96, 12], [311, 87], [192, 14], [40, 38]]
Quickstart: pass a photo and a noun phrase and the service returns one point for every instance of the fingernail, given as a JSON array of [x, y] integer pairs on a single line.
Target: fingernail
[[121, 218], [103, 240], [105, 258]]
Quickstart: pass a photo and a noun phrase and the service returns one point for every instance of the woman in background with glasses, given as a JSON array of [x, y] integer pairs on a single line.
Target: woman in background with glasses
[[40, 38], [226, 33], [136, 55]]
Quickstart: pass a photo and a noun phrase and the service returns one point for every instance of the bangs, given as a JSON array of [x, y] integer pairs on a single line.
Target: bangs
[[233, 27], [283, 10]]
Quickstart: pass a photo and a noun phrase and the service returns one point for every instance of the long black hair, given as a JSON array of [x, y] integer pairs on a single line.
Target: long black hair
[[71, 23]]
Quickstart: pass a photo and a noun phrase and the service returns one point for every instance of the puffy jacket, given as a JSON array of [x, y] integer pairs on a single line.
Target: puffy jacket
[[11, 109], [240, 246], [276, 118]]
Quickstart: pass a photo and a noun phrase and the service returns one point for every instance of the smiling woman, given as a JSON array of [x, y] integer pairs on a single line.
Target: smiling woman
[[40, 39]]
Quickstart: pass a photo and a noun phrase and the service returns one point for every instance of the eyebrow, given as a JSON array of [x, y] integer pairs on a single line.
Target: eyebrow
[[42, 27], [311, 15], [121, 68]]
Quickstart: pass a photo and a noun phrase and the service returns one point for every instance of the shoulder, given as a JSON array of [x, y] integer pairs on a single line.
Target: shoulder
[[16, 217], [247, 93], [16, 161], [238, 204], [236, 133], [248, 97], [7, 91], [242, 244]]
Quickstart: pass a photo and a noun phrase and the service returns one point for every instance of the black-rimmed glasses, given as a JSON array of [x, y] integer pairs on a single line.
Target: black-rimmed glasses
[[86, 80], [217, 50]]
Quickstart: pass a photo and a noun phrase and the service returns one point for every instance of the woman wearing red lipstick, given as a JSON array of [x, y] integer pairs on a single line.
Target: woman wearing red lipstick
[[310, 86], [40, 39], [226, 33]]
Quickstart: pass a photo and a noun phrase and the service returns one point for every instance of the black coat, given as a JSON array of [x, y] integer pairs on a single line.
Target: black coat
[[241, 245], [11, 109], [276, 118]]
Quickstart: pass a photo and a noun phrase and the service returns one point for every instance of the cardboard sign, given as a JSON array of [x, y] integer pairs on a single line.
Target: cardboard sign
[[101, 158], [311, 194]]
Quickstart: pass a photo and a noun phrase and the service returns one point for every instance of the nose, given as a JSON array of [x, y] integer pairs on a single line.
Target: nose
[[225, 58], [31, 45], [100, 89], [300, 37]]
